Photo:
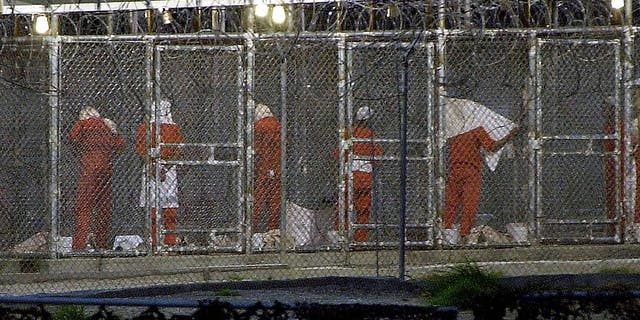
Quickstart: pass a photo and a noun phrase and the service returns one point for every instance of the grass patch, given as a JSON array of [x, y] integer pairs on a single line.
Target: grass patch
[[68, 312], [618, 270], [461, 286], [226, 292], [235, 277]]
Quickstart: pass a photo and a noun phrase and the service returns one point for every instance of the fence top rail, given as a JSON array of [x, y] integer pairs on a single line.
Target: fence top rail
[[427, 35]]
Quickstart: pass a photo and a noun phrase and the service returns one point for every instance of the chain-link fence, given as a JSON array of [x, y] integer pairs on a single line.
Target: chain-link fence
[[182, 158]]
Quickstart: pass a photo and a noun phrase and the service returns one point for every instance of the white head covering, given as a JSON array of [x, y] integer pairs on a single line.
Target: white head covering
[[363, 113], [112, 125], [164, 112], [610, 100], [88, 112], [262, 111]]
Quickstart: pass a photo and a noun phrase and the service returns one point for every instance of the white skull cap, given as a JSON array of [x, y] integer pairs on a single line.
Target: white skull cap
[[88, 112], [363, 113], [262, 111], [611, 100]]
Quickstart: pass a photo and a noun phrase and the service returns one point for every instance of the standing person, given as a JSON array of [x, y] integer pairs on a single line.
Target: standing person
[[167, 189], [362, 164], [635, 154], [97, 140], [467, 137], [267, 187], [610, 163], [635, 140]]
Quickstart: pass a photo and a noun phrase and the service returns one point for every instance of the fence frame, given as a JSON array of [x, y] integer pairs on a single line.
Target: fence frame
[[432, 39]]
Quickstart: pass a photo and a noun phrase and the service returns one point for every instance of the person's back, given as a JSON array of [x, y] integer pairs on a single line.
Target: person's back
[[465, 148], [365, 147], [169, 133], [96, 141], [267, 144]]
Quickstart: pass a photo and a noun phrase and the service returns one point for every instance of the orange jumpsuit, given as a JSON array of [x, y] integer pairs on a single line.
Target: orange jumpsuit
[[169, 133], [610, 176], [97, 144], [610, 173], [267, 187], [465, 177], [362, 183]]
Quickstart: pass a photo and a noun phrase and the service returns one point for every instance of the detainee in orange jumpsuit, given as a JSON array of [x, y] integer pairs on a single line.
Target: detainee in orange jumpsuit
[[98, 140], [609, 146], [610, 164], [267, 186], [465, 175], [168, 185], [362, 174]]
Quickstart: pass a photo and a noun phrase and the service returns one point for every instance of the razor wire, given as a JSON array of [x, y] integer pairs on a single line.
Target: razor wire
[[333, 16]]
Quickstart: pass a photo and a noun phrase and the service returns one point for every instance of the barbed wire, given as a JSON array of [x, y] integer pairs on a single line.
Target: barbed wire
[[335, 16]]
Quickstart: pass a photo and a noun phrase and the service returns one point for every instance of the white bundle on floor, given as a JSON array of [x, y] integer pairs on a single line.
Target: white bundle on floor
[[301, 224]]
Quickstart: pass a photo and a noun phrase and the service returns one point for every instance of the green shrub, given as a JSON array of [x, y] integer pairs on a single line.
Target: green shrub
[[468, 287], [461, 286], [68, 312], [226, 292]]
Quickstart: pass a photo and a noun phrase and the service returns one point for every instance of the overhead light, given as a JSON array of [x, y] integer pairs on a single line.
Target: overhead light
[[167, 18], [278, 15], [261, 9], [617, 4], [41, 24]]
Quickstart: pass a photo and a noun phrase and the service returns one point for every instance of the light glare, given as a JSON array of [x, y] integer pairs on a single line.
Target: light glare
[[278, 15], [41, 24], [617, 4], [261, 9]]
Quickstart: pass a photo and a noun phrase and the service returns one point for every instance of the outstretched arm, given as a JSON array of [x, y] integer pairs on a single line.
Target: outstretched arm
[[500, 143]]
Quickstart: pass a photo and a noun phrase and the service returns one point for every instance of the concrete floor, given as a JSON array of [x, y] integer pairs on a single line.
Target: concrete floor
[[107, 272]]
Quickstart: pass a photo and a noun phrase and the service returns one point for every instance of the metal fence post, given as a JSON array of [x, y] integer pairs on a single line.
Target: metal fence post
[[54, 138], [404, 87], [250, 107], [283, 146]]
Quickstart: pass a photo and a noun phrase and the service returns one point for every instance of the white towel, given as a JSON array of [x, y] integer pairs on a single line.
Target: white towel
[[462, 115]]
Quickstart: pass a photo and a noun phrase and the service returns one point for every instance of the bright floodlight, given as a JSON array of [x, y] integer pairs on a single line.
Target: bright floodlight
[[41, 24], [278, 15], [617, 4], [261, 10]]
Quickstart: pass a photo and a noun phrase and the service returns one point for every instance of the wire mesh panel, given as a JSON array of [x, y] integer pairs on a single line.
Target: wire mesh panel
[[421, 130], [484, 160], [376, 74], [579, 156], [100, 106], [298, 80], [372, 196], [266, 172], [202, 146], [312, 109], [24, 152]]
